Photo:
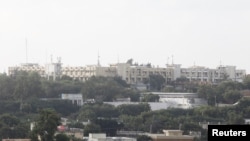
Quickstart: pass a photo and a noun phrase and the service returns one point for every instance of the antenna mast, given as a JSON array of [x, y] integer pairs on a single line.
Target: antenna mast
[[118, 58], [26, 49], [98, 61], [172, 59]]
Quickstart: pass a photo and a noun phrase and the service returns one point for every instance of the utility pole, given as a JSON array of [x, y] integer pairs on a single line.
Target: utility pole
[[215, 103], [151, 125], [26, 49]]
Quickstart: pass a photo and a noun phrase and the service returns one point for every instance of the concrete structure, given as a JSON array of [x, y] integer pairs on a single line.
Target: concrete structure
[[75, 98], [172, 95], [28, 67], [135, 74], [169, 100], [129, 133], [84, 73], [53, 70], [171, 135], [177, 100], [203, 74], [122, 99], [247, 121], [103, 137], [181, 103], [139, 74]]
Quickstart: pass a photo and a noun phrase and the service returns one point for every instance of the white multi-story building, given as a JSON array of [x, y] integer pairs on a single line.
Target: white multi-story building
[[27, 67], [203, 74], [53, 69], [75, 98], [135, 74], [84, 73], [139, 74]]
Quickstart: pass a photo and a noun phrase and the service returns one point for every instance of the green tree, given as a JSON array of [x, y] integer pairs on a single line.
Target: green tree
[[156, 81], [246, 82], [87, 115], [229, 91], [143, 138], [235, 118], [46, 124], [133, 94], [76, 125], [62, 137], [66, 77], [130, 61], [54, 89], [11, 127], [184, 84], [120, 81], [133, 109], [132, 123], [107, 89], [98, 110], [108, 126], [189, 126], [243, 103], [208, 92], [6, 87], [35, 85], [27, 86], [151, 98], [101, 89], [232, 96], [21, 87], [91, 128]]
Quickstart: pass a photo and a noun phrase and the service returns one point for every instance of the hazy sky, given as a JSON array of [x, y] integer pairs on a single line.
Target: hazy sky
[[201, 32]]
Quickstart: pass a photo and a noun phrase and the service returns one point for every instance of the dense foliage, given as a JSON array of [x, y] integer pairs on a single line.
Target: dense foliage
[[20, 97]]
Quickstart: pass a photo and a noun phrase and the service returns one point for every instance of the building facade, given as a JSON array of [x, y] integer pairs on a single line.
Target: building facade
[[84, 73], [203, 74], [74, 98], [140, 74], [28, 67], [135, 74]]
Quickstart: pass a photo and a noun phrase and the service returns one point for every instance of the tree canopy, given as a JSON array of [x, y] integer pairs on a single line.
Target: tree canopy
[[46, 124]]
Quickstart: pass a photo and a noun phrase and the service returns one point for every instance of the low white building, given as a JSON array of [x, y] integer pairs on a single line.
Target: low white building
[[171, 135], [103, 137], [247, 121], [177, 100], [75, 98]]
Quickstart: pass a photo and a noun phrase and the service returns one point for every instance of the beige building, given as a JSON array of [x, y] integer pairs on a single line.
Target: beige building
[[134, 74], [84, 73], [28, 67], [171, 135], [203, 74], [139, 74]]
